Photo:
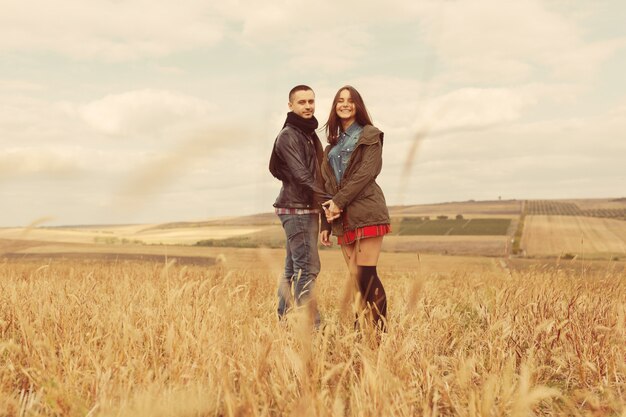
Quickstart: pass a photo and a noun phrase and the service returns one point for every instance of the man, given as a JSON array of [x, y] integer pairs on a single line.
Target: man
[[296, 160]]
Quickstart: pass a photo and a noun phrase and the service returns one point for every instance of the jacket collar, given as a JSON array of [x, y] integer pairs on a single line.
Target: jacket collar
[[370, 136]]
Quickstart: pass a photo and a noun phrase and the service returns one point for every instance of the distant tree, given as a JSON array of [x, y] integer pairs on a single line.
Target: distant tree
[[442, 217], [459, 217]]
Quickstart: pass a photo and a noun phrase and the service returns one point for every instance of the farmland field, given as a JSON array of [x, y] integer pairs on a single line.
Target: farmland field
[[486, 229], [143, 234], [606, 208], [235, 258], [468, 337], [601, 203], [453, 227], [558, 235], [448, 245], [505, 208], [471, 236]]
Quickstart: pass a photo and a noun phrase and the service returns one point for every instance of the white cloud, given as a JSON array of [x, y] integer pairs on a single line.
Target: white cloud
[[108, 30], [20, 162], [479, 108], [266, 21], [332, 50], [31, 121], [485, 40], [332, 37], [473, 107], [580, 157], [147, 112], [619, 112], [583, 60], [20, 86]]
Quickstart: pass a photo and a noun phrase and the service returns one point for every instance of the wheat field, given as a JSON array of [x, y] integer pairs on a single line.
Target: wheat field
[[155, 339], [585, 236]]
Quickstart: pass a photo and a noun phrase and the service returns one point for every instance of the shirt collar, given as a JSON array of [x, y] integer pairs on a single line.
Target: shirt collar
[[354, 127]]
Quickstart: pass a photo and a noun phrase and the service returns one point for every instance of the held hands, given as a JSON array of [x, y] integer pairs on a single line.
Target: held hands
[[325, 238], [331, 210]]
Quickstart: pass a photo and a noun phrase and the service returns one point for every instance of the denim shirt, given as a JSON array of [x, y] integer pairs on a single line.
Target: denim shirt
[[339, 155]]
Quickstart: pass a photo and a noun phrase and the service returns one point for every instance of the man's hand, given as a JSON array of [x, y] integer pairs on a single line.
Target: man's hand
[[325, 238], [331, 210]]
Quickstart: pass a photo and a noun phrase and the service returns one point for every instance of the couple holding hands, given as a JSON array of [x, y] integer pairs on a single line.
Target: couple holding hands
[[337, 185]]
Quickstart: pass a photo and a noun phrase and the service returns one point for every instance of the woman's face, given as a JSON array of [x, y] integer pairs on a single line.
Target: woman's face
[[345, 108]]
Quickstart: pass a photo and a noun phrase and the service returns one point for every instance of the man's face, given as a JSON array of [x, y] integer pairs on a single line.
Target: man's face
[[303, 103]]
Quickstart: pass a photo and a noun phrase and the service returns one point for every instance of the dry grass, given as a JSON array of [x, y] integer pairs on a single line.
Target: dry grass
[[138, 339]]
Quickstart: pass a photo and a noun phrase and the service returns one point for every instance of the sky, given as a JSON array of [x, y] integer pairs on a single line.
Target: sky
[[137, 111]]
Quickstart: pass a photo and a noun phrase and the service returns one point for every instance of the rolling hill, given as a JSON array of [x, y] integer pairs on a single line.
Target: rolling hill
[[547, 228]]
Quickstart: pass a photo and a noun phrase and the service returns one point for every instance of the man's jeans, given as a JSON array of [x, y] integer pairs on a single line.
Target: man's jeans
[[302, 263]]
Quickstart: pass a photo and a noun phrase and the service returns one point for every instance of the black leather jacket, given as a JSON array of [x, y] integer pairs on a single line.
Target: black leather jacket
[[296, 160]]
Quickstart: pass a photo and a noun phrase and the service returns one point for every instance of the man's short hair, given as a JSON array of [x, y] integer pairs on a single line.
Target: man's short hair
[[297, 88]]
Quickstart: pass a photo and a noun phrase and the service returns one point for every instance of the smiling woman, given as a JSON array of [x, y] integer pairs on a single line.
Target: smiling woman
[[357, 213]]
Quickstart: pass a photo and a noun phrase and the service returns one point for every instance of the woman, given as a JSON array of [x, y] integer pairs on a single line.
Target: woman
[[357, 214]]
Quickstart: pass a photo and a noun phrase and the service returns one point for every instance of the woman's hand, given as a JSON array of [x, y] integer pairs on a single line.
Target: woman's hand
[[325, 238], [331, 210]]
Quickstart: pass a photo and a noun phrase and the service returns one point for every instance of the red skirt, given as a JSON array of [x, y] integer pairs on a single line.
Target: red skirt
[[351, 236]]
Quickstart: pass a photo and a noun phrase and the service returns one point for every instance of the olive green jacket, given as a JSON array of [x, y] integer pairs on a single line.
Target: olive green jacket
[[358, 194]]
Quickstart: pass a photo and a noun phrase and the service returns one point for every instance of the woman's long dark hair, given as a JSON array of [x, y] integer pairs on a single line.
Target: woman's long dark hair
[[333, 125]]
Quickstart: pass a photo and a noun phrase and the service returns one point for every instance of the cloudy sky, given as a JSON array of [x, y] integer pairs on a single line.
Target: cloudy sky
[[125, 111]]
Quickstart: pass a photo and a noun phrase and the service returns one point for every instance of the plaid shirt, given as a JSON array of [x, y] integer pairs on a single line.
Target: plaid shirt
[[285, 210]]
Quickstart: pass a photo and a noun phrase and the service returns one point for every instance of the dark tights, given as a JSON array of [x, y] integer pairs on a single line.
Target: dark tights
[[373, 295]]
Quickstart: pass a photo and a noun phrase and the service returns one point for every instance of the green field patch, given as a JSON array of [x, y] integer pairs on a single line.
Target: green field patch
[[270, 237], [453, 227]]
